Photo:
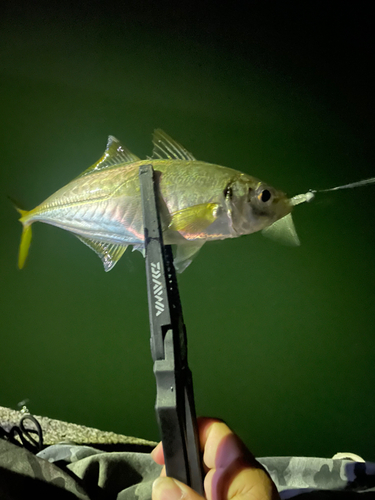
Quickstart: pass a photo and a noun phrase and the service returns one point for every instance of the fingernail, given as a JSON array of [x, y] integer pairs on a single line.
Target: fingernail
[[165, 488]]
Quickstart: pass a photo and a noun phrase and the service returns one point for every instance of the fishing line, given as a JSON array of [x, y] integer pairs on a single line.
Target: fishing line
[[345, 186], [301, 198]]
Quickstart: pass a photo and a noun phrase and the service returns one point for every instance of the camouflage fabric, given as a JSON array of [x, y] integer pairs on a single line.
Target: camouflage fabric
[[299, 475], [24, 475], [117, 475], [69, 471]]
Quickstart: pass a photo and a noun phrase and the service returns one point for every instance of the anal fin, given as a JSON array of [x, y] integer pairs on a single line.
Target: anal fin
[[140, 248], [110, 253]]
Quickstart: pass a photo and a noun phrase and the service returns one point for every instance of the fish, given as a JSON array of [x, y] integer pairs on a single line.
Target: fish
[[198, 202]]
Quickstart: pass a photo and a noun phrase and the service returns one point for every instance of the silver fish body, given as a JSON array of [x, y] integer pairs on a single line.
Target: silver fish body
[[198, 202]]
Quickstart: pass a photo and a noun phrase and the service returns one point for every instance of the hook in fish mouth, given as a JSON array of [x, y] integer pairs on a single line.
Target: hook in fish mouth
[[301, 198]]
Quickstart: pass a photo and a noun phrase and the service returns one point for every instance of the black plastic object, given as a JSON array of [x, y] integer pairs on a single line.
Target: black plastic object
[[25, 434], [175, 409]]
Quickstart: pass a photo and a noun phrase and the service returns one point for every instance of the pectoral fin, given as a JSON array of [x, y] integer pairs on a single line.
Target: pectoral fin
[[283, 231], [108, 252], [193, 220], [185, 254]]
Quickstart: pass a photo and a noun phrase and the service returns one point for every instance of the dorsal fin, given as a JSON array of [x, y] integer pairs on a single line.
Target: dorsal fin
[[283, 231], [114, 154], [167, 148]]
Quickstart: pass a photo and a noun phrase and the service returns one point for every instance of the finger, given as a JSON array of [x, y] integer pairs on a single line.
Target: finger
[[234, 471], [204, 424], [212, 432], [166, 488], [239, 483], [157, 454], [252, 484]]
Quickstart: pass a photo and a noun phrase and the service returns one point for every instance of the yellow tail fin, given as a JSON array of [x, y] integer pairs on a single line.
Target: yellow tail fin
[[25, 238], [24, 246]]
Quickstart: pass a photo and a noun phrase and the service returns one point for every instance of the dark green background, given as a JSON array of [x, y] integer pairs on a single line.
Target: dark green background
[[281, 340]]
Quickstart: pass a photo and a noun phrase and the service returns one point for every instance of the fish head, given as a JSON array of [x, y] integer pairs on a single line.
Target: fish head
[[255, 205]]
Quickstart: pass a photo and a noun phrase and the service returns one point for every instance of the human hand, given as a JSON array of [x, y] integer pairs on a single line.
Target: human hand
[[232, 473]]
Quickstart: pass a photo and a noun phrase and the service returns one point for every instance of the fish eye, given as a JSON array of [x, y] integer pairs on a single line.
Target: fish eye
[[264, 196]]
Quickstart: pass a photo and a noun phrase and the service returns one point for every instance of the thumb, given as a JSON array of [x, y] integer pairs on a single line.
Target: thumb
[[167, 488]]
